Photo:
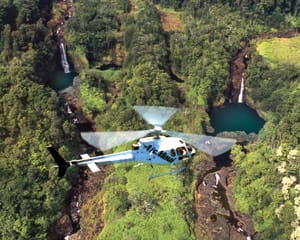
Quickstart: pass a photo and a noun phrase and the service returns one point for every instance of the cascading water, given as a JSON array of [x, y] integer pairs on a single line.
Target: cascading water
[[63, 56], [240, 98]]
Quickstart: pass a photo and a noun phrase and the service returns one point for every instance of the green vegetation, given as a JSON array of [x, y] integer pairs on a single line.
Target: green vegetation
[[200, 56], [180, 67], [140, 209], [92, 91], [281, 51], [31, 118], [275, 89], [109, 74], [91, 33]]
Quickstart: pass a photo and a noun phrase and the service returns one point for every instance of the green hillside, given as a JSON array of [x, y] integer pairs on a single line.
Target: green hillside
[[162, 52], [281, 51]]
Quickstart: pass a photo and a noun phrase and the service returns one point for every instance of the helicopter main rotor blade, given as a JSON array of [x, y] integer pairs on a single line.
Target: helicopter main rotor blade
[[214, 146], [155, 115], [108, 140]]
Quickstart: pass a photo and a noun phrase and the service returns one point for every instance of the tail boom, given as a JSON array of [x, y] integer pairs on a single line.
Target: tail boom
[[126, 156], [91, 162]]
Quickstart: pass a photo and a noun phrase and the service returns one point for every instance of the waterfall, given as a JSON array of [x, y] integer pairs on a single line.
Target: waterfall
[[240, 99], [63, 56]]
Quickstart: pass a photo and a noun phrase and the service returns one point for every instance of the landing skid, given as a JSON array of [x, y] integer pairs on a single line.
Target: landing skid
[[172, 171]]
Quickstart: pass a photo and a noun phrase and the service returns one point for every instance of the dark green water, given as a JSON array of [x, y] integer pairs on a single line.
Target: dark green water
[[60, 80], [236, 117]]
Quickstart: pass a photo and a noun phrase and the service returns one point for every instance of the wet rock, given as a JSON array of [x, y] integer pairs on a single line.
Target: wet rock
[[215, 209], [238, 64], [61, 228]]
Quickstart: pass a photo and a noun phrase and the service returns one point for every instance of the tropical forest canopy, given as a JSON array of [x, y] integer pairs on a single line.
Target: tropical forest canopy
[[186, 67], [31, 118]]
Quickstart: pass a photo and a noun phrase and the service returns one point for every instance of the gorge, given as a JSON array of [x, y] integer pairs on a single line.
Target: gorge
[[234, 114], [61, 80]]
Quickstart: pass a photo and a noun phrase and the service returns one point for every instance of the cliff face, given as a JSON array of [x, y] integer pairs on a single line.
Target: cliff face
[[238, 64]]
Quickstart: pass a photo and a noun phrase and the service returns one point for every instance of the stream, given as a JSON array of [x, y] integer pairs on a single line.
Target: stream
[[63, 77], [85, 185], [214, 199]]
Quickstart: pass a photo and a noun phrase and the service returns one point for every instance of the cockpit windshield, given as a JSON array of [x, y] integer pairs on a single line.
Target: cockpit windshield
[[181, 151], [189, 148]]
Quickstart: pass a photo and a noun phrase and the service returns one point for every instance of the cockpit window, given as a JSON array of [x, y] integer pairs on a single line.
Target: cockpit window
[[189, 148], [181, 151], [172, 152]]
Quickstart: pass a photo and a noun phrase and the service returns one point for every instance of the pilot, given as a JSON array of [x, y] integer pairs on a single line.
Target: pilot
[[181, 151]]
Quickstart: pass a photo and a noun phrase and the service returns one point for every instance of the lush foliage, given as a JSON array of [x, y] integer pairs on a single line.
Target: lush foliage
[[280, 51], [187, 68], [91, 32], [30, 120], [274, 85], [141, 209], [92, 91], [191, 69]]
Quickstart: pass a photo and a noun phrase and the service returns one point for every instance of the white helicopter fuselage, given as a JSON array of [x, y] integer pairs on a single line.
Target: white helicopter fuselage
[[151, 150], [162, 150]]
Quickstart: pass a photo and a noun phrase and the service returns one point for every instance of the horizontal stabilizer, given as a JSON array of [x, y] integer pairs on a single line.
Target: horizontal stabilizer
[[93, 167]]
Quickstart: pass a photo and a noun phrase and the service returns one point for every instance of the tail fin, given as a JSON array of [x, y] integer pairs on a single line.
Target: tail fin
[[62, 164]]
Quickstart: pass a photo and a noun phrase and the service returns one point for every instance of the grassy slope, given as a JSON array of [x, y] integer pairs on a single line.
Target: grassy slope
[[170, 19], [149, 210], [281, 50]]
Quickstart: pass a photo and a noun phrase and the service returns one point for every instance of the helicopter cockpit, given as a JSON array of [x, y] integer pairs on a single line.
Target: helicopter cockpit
[[169, 149], [181, 152], [184, 152]]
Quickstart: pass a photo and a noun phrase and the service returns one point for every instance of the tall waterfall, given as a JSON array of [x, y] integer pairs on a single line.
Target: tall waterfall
[[63, 56], [240, 99]]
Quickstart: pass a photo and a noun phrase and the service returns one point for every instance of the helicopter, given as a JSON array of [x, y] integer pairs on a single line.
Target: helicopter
[[163, 147]]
